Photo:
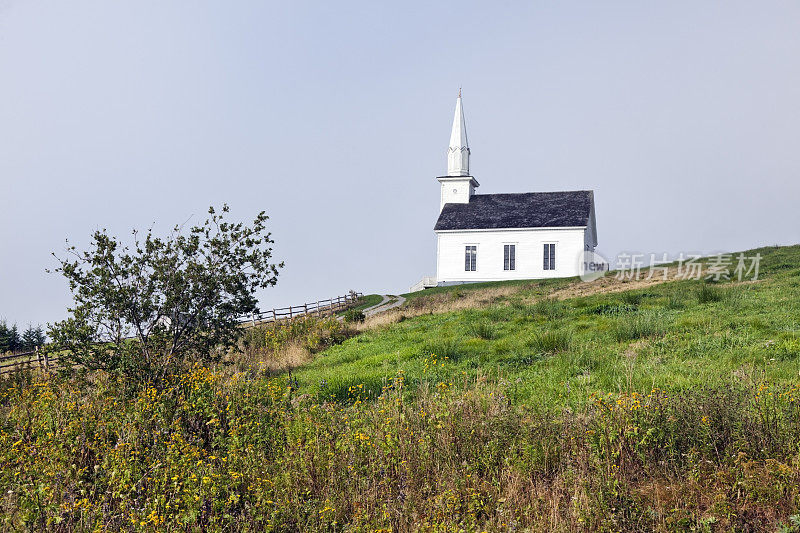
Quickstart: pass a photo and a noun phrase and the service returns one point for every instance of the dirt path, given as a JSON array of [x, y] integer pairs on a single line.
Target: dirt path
[[389, 302]]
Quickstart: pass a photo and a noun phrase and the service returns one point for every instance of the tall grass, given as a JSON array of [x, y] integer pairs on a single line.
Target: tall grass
[[246, 453], [483, 330], [443, 347], [641, 325], [676, 299], [551, 341], [709, 293], [549, 308]]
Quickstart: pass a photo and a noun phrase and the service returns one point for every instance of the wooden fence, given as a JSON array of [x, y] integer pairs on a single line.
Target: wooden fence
[[28, 360], [46, 362], [320, 307]]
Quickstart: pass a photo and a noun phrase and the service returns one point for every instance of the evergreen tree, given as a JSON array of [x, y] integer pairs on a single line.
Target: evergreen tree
[[3, 336], [14, 340], [9, 338], [33, 338]]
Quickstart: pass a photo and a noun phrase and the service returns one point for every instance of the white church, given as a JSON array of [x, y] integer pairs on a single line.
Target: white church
[[493, 237]]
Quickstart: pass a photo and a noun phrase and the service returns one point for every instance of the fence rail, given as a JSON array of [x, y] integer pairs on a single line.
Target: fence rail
[[46, 362], [320, 307], [28, 360]]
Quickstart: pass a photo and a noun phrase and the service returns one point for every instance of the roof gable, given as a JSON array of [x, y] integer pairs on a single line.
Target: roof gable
[[523, 210]]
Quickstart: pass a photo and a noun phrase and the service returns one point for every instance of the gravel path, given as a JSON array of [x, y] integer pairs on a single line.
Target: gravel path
[[389, 301]]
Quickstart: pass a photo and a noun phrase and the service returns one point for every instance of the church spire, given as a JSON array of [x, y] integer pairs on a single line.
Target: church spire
[[458, 152]]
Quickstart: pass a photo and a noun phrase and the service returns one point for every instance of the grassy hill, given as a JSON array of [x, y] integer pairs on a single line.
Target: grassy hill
[[558, 352], [536, 406]]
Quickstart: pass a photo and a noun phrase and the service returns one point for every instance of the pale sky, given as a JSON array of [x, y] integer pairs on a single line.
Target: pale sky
[[334, 117]]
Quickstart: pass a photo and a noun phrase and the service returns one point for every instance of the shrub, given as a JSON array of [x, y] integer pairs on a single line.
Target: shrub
[[551, 341], [311, 332], [141, 310], [352, 316]]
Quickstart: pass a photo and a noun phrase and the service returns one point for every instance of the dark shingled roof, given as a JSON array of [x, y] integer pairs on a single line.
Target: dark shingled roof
[[525, 210]]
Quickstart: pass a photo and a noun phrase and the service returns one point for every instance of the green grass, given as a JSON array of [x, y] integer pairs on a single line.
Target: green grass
[[710, 293], [483, 330], [551, 342], [527, 284], [671, 336], [640, 326], [476, 432], [368, 300]]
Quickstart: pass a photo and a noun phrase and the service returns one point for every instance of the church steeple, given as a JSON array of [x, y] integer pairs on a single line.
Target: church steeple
[[458, 186], [458, 151]]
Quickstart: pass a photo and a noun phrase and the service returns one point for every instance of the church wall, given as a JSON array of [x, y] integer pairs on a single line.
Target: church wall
[[455, 192], [570, 244], [588, 237]]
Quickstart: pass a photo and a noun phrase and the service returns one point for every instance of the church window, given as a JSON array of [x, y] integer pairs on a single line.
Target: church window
[[509, 257], [549, 256], [470, 258]]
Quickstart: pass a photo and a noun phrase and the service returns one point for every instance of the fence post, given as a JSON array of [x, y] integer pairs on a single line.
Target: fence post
[[305, 309], [318, 309], [253, 317], [39, 358], [274, 316]]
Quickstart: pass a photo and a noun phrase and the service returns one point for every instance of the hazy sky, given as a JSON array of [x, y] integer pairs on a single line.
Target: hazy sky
[[334, 117]]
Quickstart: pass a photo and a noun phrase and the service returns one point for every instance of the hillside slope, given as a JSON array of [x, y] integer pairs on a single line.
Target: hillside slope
[[560, 341], [525, 406]]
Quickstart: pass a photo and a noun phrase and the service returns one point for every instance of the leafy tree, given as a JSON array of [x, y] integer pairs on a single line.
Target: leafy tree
[[142, 310], [33, 338]]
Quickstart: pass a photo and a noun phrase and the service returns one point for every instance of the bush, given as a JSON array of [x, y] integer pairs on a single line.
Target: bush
[[352, 316], [552, 341], [140, 311], [311, 332]]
